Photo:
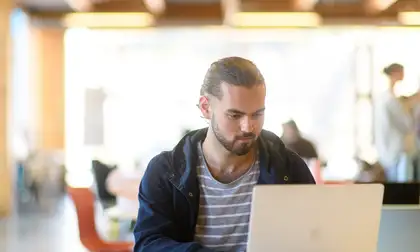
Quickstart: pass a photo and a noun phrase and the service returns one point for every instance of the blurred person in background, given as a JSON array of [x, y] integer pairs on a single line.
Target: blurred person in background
[[370, 173], [394, 128], [294, 140], [210, 174]]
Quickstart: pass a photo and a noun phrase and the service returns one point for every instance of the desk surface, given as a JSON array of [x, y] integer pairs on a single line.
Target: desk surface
[[124, 184], [399, 229], [121, 214]]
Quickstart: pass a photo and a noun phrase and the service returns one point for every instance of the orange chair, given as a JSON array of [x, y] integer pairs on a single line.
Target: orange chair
[[316, 171], [84, 201]]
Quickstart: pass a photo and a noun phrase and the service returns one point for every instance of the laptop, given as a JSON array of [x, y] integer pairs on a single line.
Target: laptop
[[315, 218]]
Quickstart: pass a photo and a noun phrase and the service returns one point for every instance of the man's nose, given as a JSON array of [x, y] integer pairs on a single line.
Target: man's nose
[[247, 124]]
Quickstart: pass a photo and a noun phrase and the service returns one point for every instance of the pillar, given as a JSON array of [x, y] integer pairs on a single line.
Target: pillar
[[5, 164], [48, 70]]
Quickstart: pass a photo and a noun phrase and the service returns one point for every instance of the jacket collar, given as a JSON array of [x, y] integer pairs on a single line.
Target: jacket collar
[[184, 159]]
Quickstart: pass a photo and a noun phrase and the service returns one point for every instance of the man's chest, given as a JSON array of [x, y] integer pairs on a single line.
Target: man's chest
[[223, 215]]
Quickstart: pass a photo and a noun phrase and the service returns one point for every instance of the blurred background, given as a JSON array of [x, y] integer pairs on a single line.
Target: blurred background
[[91, 90]]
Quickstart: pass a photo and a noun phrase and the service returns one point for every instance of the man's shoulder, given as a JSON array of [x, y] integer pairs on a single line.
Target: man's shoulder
[[286, 159], [273, 143], [270, 137], [159, 166], [173, 163], [274, 148]]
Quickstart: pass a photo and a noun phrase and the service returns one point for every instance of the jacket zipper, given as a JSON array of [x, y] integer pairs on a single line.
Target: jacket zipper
[[194, 218]]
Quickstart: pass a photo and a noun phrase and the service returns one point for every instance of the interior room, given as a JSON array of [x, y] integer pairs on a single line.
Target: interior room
[[93, 90]]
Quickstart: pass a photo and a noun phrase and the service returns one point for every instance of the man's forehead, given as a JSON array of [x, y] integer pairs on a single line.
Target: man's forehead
[[241, 92], [246, 101], [238, 111], [225, 86]]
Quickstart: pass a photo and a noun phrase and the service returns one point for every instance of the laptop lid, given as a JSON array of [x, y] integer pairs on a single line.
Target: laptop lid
[[315, 218]]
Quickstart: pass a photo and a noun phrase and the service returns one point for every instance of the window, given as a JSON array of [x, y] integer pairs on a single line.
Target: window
[[152, 80]]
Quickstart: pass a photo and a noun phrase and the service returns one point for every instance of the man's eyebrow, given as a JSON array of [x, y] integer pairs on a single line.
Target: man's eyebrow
[[235, 111], [260, 110]]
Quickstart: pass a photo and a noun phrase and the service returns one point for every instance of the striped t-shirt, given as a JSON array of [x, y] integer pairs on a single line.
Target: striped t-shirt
[[224, 210]]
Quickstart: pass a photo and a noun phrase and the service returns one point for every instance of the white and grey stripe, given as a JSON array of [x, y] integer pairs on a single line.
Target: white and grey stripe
[[224, 210]]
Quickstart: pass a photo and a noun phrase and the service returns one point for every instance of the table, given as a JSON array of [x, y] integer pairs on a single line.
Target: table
[[125, 186], [399, 228], [119, 213]]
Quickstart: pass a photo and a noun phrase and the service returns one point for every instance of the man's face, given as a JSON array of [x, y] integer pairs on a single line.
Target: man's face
[[238, 117]]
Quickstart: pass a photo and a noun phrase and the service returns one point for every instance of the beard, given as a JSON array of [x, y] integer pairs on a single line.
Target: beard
[[239, 149]]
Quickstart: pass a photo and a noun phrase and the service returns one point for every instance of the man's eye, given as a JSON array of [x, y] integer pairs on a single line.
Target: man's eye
[[234, 117], [258, 115]]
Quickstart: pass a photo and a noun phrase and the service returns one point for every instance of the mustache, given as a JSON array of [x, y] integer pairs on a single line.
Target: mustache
[[247, 135]]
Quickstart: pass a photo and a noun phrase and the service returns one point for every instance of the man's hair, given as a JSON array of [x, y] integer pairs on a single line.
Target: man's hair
[[234, 71]]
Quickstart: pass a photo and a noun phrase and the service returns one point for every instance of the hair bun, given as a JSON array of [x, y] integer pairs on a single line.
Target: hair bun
[[394, 67]]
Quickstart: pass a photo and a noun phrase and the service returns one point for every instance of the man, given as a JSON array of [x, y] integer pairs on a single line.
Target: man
[[197, 197], [294, 140]]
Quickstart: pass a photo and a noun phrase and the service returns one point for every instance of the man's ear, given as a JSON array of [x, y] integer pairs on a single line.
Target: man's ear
[[204, 106]]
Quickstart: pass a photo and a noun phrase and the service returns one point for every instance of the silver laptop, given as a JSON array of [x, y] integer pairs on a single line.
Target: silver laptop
[[315, 218]]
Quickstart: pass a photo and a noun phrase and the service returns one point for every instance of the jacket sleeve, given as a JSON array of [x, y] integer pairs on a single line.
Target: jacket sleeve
[[155, 229], [300, 171]]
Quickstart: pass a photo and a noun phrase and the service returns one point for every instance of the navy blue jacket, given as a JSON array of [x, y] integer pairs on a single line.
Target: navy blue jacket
[[169, 192]]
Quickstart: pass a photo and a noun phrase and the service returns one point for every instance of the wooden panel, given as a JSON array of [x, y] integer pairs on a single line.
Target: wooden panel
[[342, 9], [51, 87], [119, 6], [5, 164], [273, 5], [404, 5], [206, 12], [107, 5], [345, 10], [193, 11], [364, 9], [331, 8]]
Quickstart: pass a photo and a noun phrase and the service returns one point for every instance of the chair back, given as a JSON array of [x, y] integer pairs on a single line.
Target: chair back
[[84, 202], [101, 172]]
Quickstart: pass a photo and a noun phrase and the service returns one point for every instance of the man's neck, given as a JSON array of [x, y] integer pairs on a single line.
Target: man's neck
[[218, 157]]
